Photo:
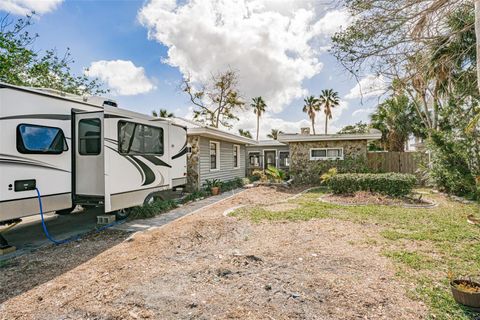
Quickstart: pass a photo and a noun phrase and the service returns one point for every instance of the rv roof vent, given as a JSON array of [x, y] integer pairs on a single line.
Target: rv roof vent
[[110, 103], [102, 101]]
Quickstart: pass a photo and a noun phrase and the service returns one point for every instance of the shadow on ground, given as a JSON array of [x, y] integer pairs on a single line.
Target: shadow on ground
[[25, 272]]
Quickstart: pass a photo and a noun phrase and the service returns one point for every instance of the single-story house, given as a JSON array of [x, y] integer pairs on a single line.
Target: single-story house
[[306, 149], [217, 154], [264, 153], [213, 154]]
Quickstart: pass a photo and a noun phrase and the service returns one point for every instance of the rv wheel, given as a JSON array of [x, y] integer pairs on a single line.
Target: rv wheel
[[122, 214], [65, 211], [152, 197]]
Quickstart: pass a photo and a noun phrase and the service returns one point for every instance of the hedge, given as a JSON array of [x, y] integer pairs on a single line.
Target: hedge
[[393, 184]]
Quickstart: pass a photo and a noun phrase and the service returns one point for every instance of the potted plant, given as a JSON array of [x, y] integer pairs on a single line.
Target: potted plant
[[213, 185], [466, 292]]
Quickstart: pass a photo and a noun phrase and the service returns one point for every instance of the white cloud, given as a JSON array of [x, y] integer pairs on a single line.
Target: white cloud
[[23, 7], [361, 113], [269, 121], [333, 21], [122, 77], [272, 44], [369, 86]]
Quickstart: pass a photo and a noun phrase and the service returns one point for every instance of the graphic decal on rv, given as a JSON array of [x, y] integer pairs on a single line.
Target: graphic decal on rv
[[39, 116], [149, 174], [156, 161], [24, 158], [111, 116], [27, 163], [182, 152], [131, 161]]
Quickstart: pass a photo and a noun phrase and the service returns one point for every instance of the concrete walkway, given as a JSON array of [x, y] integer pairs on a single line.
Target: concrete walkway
[[164, 218]]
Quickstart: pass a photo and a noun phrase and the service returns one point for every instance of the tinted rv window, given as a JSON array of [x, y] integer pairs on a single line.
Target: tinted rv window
[[40, 139], [89, 139], [136, 138]]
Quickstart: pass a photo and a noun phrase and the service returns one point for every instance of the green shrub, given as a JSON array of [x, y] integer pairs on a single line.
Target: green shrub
[[197, 194], [275, 174], [325, 178], [212, 183], [232, 184], [454, 165], [311, 171], [151, 210], [393, 184]]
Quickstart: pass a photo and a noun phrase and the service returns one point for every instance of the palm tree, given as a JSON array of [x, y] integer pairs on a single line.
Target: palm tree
[[164, 113], [245, 133], [395, 119], [328, 99], [258, 106], [274, 134], [310, 107]]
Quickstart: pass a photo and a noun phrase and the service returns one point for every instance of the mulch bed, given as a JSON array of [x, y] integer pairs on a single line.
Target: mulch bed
[[369, 198]]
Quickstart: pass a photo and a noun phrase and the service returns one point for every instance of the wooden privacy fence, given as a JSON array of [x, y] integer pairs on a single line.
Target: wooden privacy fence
[[401, 162]]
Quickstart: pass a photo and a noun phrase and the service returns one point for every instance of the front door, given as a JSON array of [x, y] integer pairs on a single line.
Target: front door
[[269, 159], [89, 154]]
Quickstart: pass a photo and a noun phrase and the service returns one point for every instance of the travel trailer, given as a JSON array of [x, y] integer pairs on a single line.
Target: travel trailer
[[82, 151]]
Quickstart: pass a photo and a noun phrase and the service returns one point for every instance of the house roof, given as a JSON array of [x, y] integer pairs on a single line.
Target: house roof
[[372, 135], [269, 143], [197, 129]]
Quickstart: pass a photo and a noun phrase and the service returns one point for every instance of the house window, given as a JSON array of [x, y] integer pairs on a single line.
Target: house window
[[214, 155], [236, 156], [136, 138], [254, 159], [32, 138], [326, 154], [284, 159]]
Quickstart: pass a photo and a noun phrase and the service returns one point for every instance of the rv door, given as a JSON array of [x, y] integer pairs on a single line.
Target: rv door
[[89, 155]]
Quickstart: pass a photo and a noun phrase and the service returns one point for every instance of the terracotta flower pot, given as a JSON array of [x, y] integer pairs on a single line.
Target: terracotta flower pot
[[215, 191], [469, 299]]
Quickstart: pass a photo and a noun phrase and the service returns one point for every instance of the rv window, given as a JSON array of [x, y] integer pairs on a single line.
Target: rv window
[[89, 137], [136, 138], [40, 139]]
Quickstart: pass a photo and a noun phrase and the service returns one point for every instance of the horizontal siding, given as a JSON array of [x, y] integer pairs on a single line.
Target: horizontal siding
[[227, 171]]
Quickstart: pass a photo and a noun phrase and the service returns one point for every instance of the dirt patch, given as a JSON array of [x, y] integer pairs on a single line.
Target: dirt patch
[[28, 271], [368, 198], [210, 266]]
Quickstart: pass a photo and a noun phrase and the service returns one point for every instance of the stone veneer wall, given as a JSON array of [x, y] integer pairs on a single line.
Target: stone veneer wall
[[302, 166], [193, 163]]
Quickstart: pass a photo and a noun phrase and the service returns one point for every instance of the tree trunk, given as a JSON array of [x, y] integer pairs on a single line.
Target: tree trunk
[[477, 35], [326, 124], [313, 125], [258, 124]]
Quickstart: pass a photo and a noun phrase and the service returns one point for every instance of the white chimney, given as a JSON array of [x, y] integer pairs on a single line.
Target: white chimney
[[305, 131]]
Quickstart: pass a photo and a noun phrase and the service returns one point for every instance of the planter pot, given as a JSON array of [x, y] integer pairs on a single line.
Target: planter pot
[[215, 191], [469, 299]]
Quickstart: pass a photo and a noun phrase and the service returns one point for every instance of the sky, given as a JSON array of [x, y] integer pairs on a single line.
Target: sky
[[141, 50]]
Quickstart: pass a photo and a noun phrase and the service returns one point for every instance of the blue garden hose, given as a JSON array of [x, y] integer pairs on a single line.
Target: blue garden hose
[[70, 239]]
